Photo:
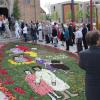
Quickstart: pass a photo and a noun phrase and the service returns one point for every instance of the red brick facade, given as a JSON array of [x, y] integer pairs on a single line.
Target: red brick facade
[[29, 10]]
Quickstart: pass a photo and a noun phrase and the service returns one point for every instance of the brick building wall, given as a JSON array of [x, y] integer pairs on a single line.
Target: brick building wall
[[29, 10]]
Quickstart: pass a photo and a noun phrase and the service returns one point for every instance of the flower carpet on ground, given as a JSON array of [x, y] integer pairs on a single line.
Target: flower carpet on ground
[[26, 76]]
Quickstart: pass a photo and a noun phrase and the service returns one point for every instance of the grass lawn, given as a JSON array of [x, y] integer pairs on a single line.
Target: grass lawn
[[75, 77]]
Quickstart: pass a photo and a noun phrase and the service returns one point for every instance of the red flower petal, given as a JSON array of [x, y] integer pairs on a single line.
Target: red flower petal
[[24, 48], [3, 72], [7, 82], [19, 90], [8, 77], [31, 98]]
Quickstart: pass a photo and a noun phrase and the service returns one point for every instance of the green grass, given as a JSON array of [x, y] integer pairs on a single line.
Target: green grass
[[75, 77]]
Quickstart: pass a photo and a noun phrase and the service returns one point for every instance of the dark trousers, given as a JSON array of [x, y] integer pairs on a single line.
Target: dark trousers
[[79, 45], [1, 30], [67, 44], [47, 39], [85, 44], [25, 37]]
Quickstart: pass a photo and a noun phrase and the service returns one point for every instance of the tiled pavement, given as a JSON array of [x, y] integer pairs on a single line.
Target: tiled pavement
[[71, 48], [7, 40]]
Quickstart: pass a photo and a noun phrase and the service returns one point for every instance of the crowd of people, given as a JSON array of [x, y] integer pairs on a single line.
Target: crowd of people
[[53, 33], [5, 29], [48, 32]]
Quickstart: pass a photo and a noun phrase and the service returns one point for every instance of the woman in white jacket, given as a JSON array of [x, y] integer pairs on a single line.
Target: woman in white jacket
[[17, 30], [40, 29], [25, 32]]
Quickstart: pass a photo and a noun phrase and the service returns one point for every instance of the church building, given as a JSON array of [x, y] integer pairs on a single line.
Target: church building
[[29, 9]]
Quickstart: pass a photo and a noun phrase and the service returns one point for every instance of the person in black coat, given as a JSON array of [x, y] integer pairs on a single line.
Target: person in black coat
[[84, 32], [54, 35], [90, 62], [71, 35], [88, 26], [33, 33]]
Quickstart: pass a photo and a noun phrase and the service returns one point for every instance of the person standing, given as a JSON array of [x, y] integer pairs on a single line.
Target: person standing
[[84, 32], [1, 26], [54, 35], [67, 38], [62, 30], [71, 34], [78, 37], [33, 33], [47, 34], [22, 26], [40, 32], [90, 62], [17, 30], [6, 27], [88, 26], [25, 32]]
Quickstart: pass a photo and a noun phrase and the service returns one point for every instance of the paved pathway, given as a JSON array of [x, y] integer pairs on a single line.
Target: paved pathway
[[72, 49], [13, 39]]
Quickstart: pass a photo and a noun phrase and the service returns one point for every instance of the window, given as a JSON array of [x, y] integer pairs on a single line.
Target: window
[[97, 2], [27, 1]]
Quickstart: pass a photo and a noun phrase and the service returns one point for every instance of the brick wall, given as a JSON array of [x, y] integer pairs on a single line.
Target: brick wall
[[29, 11]]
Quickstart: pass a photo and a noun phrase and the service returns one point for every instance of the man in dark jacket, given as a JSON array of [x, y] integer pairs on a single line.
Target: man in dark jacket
[[71, 35], [90, 62], [84, 32], [54, 35]]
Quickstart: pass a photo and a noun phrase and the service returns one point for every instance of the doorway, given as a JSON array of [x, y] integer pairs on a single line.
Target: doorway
[[4, 11]]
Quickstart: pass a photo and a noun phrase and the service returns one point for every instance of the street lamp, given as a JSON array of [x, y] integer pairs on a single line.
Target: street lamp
[[91, 15], [35, 10], [72, 11]]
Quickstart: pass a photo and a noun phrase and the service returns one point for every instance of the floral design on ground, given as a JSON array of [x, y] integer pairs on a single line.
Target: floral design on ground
[[19, 90], [57, 57], [20, 63], [25, 60], [6, 92], [31, 54]]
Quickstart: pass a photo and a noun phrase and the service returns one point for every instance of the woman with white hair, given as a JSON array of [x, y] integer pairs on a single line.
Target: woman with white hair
[[40, 32], [17, 30], [78, 37]]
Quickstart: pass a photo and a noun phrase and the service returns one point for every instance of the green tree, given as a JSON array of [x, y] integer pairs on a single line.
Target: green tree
[[43, 17], [94, 12], [55, 16], [16, 12], [69, 15], [88, 12], [48, 17], [80, 14]]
